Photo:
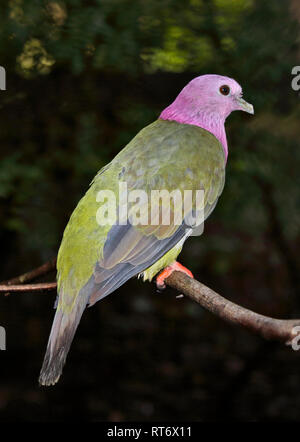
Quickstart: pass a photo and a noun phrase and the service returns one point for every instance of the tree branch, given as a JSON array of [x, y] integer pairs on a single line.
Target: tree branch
[[42, 287], [33, 274], [269, 328]]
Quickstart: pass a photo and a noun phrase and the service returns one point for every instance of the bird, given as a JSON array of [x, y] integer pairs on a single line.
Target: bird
[[185, 148]]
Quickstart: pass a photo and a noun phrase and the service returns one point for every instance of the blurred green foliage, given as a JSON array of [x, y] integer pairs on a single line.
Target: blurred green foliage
[[84, 77]]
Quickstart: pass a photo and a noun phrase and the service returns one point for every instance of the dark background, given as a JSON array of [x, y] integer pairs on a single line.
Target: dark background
[[82, 78]]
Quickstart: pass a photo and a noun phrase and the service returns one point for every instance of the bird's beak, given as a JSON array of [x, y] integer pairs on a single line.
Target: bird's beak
[[244, 106]]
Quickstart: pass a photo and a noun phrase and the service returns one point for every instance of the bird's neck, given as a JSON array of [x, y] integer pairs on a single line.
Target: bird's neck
[[208, 120]]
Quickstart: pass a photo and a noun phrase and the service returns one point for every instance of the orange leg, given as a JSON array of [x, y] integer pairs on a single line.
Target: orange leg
[[160, 280]]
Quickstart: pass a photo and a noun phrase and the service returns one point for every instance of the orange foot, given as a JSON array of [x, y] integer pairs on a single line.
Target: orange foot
[[160, 280]]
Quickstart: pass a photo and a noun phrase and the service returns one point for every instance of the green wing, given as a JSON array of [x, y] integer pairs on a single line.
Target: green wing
[[164, 155]]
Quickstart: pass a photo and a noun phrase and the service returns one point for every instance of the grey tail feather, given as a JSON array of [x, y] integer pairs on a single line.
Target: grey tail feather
[[62, 333]]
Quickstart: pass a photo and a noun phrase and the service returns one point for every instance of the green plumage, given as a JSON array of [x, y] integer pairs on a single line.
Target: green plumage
[[95, 260]]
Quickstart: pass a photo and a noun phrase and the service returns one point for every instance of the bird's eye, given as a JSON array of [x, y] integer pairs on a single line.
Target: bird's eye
[[224, 89]]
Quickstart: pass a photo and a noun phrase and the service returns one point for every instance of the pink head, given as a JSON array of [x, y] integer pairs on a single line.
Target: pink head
[[206, 101]]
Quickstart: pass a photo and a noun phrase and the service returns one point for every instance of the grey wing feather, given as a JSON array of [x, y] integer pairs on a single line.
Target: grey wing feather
[[148, 250]]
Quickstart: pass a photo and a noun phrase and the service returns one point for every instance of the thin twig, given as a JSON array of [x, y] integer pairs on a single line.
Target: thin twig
[[42, 287], [33, 274]]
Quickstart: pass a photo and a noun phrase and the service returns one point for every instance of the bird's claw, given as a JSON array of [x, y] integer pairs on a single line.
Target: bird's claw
[[175, 266]]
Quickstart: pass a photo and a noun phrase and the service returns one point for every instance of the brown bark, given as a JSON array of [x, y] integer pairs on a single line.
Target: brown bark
[[267, 327]]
